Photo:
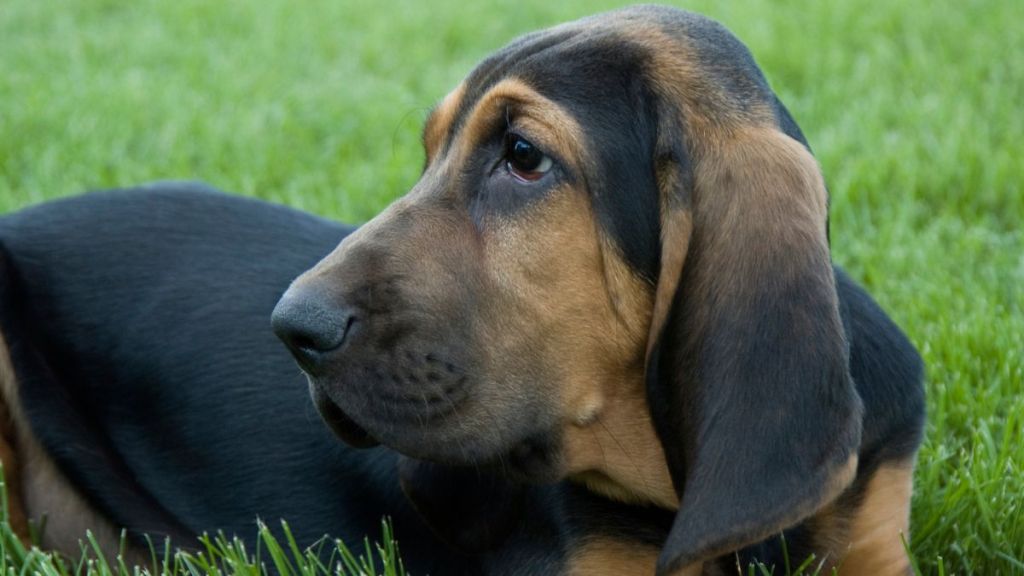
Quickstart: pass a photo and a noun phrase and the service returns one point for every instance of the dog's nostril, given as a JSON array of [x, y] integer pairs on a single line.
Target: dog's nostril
[[311, 326], [307, 343], [320, 336]]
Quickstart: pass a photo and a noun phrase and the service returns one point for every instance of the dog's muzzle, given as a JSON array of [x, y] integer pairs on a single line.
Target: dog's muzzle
[[314, 329]]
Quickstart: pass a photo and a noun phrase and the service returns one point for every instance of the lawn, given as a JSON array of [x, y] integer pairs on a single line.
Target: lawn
[[914, 110]]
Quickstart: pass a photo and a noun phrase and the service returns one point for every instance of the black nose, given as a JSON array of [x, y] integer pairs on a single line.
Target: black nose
[[310, 325]]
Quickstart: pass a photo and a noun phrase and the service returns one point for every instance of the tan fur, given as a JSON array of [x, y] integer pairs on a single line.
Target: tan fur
[[619, 455], [607, 557], [612, 447], [710, 110], [841, 479], [764, 191], [45, 494], [440, 120], [829, 527], [546, 123], [676, 228], [10, 414], [8, 457], [875, 546], [592, 341], [609, 441]]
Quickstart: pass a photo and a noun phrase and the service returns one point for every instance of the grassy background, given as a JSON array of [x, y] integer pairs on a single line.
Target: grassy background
[[914, 109]]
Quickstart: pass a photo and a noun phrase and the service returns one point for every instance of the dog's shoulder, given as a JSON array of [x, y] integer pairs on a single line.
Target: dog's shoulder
[[96, 267], [113, 228]]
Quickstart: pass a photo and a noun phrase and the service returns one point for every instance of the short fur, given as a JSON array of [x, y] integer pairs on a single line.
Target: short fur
[[642, 360]]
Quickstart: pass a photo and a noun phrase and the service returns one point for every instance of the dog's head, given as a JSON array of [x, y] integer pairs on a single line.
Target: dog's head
[[615, 269]]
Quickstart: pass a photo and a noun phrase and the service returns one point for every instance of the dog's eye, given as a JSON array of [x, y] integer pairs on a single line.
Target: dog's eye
[[524, 160]]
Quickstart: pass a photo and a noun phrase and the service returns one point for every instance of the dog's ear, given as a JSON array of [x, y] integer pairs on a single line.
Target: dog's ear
[[470, 509], [747, 375]]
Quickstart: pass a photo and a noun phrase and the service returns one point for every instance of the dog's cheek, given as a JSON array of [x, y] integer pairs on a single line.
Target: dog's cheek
[[551, 313]]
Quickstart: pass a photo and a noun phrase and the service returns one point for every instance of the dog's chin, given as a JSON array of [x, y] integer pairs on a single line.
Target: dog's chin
[[534, 460], [530, 458], [343, 427]]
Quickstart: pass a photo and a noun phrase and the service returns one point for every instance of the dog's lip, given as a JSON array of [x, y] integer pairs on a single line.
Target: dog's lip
[[343, 427]]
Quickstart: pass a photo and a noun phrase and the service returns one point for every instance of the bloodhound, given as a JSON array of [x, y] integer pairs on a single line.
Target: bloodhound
[[601, 335]]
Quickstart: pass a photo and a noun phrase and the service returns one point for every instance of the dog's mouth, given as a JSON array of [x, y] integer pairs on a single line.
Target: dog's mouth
[[533, 458], [343, 427]]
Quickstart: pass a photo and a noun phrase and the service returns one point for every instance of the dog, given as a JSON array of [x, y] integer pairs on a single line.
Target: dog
[[601, 335]]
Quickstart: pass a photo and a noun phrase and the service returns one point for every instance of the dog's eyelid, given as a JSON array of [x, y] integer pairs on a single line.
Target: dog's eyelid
[[546, 137], [524, 160], [537, 138], [531, 131]]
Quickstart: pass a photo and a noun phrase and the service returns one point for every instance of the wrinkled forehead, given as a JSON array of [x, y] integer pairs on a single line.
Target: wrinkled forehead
[[601, 63]]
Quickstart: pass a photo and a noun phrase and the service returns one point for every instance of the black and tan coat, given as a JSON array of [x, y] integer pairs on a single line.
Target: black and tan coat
[[603, 330]]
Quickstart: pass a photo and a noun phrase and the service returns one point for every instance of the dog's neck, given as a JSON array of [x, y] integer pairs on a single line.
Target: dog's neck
[[615, 451]]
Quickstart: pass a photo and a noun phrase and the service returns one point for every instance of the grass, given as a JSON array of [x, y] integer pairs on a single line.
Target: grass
[[913, 108], [214, 555]]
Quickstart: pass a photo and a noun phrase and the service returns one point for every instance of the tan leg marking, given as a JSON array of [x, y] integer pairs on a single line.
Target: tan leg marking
[[12, 474], [38, 490], [876, 548], [613, 558]]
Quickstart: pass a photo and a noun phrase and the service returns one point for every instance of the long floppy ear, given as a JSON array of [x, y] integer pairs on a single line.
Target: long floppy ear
[[747, 378]]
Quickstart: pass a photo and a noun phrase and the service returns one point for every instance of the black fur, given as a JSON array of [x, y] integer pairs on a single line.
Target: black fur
[[137, 323]]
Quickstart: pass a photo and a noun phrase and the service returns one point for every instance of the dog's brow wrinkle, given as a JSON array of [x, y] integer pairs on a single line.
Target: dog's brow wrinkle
[[502, 65]]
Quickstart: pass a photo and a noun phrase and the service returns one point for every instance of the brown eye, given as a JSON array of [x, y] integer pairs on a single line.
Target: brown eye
[[524, 160]]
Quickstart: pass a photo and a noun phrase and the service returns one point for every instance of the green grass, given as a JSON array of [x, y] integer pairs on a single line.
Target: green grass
[[914, 109], [213, 555]]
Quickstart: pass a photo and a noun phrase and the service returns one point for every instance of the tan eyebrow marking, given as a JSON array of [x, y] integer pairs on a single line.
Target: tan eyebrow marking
[[550, 124], [440, 120]]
